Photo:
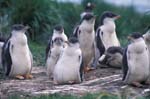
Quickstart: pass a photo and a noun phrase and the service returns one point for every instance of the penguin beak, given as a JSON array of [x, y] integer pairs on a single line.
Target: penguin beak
[[67, 42], [130, 38], [27, 27], [117, 17]]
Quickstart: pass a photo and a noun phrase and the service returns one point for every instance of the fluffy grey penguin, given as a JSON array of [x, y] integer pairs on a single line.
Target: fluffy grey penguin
[[69, 68], [88, 9], [86, 37], [112, 57], [57, 32], [54, 55], [16, 56], [136, 67], [106, 32]]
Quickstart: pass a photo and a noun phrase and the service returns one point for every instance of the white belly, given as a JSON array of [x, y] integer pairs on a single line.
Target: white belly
[[52, 60], [138, 68], [86, 41], [21, 60], [67, 69], [110, 40]]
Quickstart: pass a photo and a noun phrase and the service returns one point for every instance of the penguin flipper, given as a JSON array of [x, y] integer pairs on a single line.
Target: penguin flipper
[[99, 42], [50, 43], [76, 31], [125, 64], [81, 67], [6, 58]]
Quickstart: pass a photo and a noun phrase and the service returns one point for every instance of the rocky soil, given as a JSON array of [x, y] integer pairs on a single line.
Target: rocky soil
[[96, 81]]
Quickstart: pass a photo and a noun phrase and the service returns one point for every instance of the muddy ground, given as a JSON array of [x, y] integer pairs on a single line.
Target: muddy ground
[[96, 81]]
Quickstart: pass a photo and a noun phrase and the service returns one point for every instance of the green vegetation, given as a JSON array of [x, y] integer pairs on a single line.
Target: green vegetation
[[88, 96], [43, 15]]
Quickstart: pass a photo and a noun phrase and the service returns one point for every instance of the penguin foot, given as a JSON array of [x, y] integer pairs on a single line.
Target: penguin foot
[[137, 84], [20, 77], [71, 82], [28, 76], [87, 69]]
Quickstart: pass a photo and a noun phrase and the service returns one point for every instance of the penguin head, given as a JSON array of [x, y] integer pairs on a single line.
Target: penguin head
[[89, 7], [58, 41], [59, 29], [147, 34], [73, 41], [89, 18], [115, 49], [135, 36], [20, 28], [108, 16]]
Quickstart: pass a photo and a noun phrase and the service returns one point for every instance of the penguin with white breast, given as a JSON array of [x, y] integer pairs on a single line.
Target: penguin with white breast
[[57, 32], [16, 56], [54, 55], [69, 68], [86, 37], [112, 57], [106, 32], [136, 67]]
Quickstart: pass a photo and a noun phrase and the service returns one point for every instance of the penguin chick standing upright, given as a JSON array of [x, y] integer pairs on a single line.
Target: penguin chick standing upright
[[106, 32], [57, 32], [53, 55], [69, 66], [16, 56], [86, 37], [136, 61]]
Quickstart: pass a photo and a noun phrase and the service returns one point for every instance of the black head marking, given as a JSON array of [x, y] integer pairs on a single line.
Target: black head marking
[[89, 7], [107, 14], [59, 28], [136, 35], [58, 41], [115, 49], [88, 16], [73, 40], [18, 27]]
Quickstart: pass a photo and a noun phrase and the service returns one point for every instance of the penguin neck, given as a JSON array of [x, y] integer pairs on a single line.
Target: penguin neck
[[138, 45], [57, 46], [138, 40], [88, 26], [71, 48], [109, 25], [19, 37], [56, 34]]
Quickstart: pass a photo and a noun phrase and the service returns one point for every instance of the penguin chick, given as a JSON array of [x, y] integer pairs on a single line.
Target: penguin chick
[[69, 67], [16, 56], [136, 61], [112, 57], [54, 55], [106, 32], [57, 32], [86, 37]]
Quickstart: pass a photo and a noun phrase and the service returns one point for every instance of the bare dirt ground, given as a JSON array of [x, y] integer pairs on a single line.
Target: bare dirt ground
[[96, 81]]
